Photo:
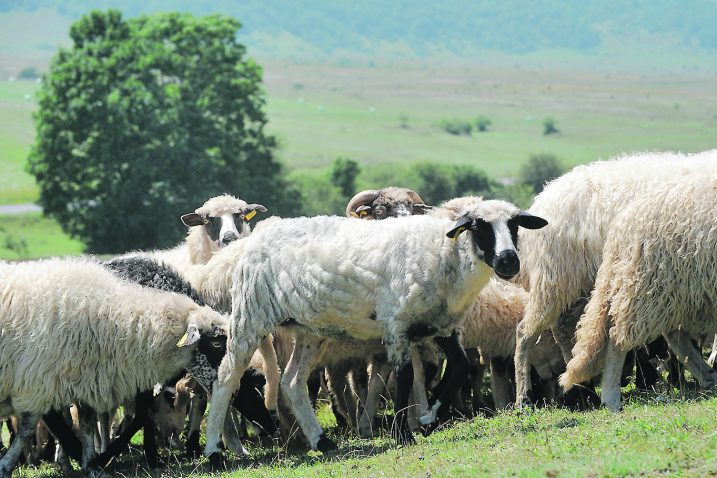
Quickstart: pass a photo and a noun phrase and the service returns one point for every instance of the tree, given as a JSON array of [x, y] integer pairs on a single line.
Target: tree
[[142, 120], [482, 123], [540, 169], [344, 172]]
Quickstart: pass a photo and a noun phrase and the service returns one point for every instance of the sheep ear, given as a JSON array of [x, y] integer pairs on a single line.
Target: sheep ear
[[421, 208], [463, 224], [253, 208], [193, 219], [191, 336], [363, 211], [528, 221]]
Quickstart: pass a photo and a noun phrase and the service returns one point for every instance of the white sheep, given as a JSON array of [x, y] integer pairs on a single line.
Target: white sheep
[[657, 276], [560, 262], [218, 222], [397, 280], [73, 332]]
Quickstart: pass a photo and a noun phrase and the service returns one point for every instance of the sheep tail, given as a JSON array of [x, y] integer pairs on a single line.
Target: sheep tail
[[591, 344]]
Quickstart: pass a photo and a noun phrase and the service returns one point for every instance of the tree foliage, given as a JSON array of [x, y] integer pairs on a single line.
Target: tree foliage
[[142, 120], [540, 169], [344, 172]]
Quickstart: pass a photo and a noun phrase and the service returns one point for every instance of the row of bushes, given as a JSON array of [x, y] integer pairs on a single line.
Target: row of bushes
[[461, 127], [329, 191]]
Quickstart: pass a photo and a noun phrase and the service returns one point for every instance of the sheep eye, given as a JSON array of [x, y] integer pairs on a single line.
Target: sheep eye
[[380, 211], [216, 344], [213, 227]]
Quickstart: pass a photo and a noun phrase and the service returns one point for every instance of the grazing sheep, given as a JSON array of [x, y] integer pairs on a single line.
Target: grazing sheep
[[657, 276], [399, 279], [150, 273], [103, 333], [560, 264]]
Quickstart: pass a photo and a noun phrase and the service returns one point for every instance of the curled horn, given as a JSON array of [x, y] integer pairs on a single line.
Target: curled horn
[[363, 198], [414, 196], [419, 207]]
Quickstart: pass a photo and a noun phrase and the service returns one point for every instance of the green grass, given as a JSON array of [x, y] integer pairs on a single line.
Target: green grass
[[17, 102], [648, 439], [28, 236]]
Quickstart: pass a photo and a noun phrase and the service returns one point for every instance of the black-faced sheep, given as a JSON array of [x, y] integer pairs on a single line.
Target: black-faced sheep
[[657, 276], [80, 334], [559, 264], [398, 279]]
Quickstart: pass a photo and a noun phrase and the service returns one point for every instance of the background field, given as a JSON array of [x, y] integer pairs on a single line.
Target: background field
[[385, 117]]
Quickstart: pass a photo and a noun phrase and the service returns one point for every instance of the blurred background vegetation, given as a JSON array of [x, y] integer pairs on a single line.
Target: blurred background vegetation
[[449, 98]]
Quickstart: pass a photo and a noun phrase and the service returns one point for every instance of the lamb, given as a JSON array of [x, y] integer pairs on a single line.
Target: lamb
[[560, 264], [104, 332], [399, 279], [657, 277]]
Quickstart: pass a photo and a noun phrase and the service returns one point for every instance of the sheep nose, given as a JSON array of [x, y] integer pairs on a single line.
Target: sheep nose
[[506, 264], [229, 237]]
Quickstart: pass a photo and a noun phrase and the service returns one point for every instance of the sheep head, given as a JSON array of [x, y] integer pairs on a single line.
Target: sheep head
[[387, 202], [494, 230], [223, 218]]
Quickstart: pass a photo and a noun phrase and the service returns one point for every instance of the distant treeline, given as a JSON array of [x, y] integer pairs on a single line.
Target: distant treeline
[[458, 27]]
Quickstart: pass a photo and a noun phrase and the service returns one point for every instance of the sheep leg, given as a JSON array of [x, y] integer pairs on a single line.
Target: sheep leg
[[103, 422], [272, 375], [239, 352], [230, 433], [610, 393], [249, 402], [500, 382], [341, 393], [196, 413], [376, 384], [524, 345], [459, 368], [690, 357], [399, 354], [88, 426], [713, 355], [307, 351], [143, 403], [66, 437], [23, 438], [419, 382]]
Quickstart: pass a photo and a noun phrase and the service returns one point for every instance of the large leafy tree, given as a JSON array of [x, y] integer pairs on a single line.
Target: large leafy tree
[[142, 120]]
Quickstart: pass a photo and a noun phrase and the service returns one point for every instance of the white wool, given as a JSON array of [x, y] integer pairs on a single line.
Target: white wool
[[658, 274], [72, 331]]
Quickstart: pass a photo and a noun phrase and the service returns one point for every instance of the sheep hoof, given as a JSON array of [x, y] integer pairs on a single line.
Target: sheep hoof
[[523, 402], [193, 450], [325, 445], [216, 461]]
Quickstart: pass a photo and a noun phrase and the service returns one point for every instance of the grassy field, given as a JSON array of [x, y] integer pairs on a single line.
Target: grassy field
[[386, 117], [29, 236], [652, 437]]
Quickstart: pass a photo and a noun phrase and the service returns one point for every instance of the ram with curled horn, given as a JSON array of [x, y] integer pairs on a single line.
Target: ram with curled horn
[[386, 202]]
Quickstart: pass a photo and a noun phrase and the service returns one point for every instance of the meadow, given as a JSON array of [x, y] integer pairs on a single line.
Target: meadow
[[386, 117], [654, 436]]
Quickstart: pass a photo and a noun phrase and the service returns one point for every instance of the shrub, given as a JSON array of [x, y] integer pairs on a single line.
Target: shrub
[[456, 126], [540, 169], [482, 123], [549, 126]]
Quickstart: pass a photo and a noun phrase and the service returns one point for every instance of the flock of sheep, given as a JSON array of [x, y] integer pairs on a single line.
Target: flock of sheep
[[613, 255]]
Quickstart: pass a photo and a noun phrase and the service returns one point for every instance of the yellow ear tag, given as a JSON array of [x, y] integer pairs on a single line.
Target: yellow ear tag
[[353, 214], [183, 340], [362, 214], [458, 232], [250, 215]]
